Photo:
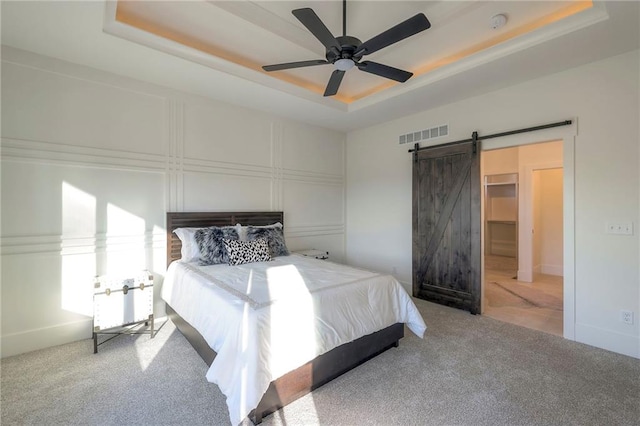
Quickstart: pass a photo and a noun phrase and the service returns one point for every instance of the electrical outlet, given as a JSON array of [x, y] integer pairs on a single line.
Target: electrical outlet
[[626, 317]]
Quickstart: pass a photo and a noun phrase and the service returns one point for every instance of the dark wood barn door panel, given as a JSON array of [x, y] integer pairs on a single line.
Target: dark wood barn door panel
[[446, 226]]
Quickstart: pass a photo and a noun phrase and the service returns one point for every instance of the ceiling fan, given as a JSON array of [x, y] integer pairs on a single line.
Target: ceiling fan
[[345, 52]]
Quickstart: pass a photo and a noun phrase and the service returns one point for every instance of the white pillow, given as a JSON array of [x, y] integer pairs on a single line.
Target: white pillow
[[190, 251]]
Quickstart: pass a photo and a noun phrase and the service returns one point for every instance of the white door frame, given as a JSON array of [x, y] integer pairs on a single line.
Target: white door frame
[[567, 135]]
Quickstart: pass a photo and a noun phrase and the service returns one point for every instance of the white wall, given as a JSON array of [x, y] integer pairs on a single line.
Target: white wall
[[91, 162], [537, 236], [500, 161], [603, 97], [548, 254]]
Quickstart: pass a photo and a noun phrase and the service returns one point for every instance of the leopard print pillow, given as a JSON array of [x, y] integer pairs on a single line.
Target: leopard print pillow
[[240, 252]]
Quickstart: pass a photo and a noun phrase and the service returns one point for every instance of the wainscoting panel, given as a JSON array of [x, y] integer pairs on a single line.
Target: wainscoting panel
[[46, 106], [216, 192], [221, 133], [312, 204], [78, 201], [35, 283], [312, 150], [91, 162]]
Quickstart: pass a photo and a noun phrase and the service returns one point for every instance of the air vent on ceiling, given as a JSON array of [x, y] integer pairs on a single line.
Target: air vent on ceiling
[[426, 134]]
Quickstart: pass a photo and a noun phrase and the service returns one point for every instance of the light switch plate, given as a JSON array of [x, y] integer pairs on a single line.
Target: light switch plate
[[619, 228]]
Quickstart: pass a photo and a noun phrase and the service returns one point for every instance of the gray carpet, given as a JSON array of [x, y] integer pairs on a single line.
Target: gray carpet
[[470, 370]]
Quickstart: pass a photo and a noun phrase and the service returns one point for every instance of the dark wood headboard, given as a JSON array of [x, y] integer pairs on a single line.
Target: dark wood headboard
[[203, 219]]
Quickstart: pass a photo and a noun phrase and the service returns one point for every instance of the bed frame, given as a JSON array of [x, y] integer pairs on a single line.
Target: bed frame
[[304, 379]]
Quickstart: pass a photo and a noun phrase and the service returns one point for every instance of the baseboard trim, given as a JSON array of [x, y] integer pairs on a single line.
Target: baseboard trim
[[552, 270], [625, 344], [31, 340]]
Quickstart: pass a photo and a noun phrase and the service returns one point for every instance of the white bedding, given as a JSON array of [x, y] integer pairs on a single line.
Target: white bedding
[[266, 319]]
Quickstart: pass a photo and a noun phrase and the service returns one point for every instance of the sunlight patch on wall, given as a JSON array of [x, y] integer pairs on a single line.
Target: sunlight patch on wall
[[125, 241], [78, 266]]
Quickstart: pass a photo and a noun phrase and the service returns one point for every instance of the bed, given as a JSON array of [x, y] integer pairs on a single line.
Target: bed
[[277, 384]]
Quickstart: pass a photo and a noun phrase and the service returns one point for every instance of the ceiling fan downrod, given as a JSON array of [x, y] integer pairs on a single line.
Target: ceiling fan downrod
[[344, 18]]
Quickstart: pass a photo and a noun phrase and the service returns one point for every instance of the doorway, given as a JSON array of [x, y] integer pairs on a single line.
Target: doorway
[[524, 286]]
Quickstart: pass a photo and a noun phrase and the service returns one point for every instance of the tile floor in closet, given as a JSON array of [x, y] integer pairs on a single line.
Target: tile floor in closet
[[536, 305]]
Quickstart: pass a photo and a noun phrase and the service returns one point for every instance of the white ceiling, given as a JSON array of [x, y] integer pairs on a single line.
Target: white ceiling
[[215, 48]]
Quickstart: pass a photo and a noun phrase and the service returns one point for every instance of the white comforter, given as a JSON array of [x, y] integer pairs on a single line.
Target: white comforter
[[266, 319]]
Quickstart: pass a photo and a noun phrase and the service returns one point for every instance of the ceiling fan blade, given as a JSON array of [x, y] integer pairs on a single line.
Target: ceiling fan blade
[[401, 31], [334, 83], [313, 23], [384, 71], [289, 65]]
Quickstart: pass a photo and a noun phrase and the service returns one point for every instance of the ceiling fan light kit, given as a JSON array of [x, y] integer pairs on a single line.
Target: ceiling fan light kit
[[344, 64], [345, 52]]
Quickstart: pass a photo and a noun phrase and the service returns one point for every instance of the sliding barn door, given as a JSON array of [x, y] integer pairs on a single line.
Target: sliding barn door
[[446, 226]]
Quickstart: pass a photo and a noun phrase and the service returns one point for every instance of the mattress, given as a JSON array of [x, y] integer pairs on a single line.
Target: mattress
[[266, 319]]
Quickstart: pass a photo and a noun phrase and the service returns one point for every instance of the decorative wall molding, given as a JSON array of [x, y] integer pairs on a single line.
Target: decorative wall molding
[[31, 244], [63, 245], [312, 177], [52, 153], [174, 166], [226, 168], [313, 230], [60, 68], [277, 193], [174, 182], [114, 157]]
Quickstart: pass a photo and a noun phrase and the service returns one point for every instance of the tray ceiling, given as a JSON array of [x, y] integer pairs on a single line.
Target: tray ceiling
[[250, 34], [215, 49]]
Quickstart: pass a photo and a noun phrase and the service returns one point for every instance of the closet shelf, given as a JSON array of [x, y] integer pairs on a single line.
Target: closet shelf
[[499, 183]]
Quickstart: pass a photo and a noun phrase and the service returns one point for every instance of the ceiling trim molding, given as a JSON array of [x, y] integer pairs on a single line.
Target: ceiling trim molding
[[448, 67], [116, 28], [260, 17], [597, 13]]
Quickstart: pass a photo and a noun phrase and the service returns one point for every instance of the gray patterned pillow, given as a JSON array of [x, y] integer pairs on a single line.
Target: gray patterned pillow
[[274, 236], [212, 249], [240, 252]]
